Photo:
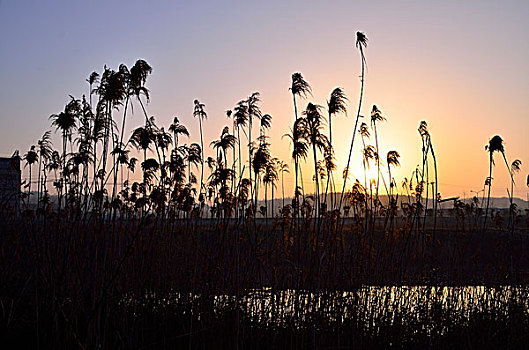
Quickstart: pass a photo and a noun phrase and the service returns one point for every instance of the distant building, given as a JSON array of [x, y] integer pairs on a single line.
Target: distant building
[[10, 182]]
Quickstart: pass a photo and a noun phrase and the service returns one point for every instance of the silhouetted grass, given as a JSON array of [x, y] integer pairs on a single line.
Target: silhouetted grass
[[152, 283], [171, 261]]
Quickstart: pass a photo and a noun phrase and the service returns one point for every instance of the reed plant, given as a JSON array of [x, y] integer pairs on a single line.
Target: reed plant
[[106, 260]]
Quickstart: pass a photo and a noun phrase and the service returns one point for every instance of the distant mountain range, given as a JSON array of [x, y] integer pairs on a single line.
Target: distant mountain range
[[495, 202]]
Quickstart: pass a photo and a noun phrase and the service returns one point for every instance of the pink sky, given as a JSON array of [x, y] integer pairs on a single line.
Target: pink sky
[[461, 66]]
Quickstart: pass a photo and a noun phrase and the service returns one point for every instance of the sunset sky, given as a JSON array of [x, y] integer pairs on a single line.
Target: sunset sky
[[461, 66]]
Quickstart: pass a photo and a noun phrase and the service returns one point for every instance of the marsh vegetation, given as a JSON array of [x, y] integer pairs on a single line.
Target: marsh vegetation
[[140, 240]]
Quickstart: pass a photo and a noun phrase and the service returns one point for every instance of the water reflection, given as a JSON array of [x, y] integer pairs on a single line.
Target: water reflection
[[369, 307]]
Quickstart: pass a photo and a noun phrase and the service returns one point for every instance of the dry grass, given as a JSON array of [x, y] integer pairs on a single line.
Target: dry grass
[[153, 283]]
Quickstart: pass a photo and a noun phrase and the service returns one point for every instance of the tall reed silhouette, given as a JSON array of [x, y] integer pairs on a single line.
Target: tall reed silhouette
[[337, 103], [44, 151], [318, 141], [95, 263], [301, 88], [361, 43], [495, 145], [201, 114], [376, 116], [66, 123]]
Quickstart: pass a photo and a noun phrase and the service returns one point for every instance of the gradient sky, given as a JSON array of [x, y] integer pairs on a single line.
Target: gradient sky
[[463, 66]]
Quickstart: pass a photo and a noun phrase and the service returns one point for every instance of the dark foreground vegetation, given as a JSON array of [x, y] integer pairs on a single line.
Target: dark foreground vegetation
[[102, 259], [153, 283]]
